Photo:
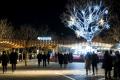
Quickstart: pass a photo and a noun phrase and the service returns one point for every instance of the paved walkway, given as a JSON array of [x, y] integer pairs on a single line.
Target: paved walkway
[[74, 71]]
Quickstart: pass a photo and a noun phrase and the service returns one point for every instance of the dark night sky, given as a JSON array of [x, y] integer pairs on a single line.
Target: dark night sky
[[37, 13]]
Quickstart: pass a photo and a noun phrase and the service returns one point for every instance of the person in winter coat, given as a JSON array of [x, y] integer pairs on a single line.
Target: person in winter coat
[[60, 59], [117, 66], [5, 60], [107, 64], [13, 59], [39, 57], [65, 60], [48, 57], [44, 57], [88, 62], [94, 62]]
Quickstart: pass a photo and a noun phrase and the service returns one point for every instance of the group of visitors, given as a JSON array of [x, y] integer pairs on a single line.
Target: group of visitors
[[110, 64], [43, 56], [62, 58], [6, 58], [91, 59]]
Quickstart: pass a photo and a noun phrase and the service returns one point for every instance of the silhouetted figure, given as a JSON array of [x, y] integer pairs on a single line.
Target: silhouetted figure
[[30, 56], [48, 57], [56, 57], [39, 57], [13, 59], [70, 57], [107, 64], [95, 61], [20, 57], [65, 60], [24, 56], [44, 57], [5, 60], [0, 57], [82, 58], [60, 59], [88, 62], [117, 66]]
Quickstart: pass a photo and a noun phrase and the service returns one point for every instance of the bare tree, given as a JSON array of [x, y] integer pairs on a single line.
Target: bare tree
[[5, 30], [43, 30], [114, 33], [27, 33]]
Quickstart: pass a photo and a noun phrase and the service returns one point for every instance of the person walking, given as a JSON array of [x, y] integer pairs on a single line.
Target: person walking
[[88, 62], [44, 57], [107, 65], [48, 57], [5, 60], [39, 57], [95, 61], [60, 59], [70, 57], [65, 60], [117, 66], [13, 59]]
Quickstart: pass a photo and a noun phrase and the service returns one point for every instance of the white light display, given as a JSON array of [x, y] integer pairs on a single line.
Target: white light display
[[87, 22]]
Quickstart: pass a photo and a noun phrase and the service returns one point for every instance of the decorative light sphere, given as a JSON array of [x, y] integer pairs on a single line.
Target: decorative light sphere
[[106, 12]]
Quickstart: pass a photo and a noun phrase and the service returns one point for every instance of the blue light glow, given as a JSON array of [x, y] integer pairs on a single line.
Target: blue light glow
[[87, 22]]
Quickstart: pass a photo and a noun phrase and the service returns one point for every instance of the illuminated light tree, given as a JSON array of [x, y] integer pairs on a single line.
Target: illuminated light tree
[[86, 21]]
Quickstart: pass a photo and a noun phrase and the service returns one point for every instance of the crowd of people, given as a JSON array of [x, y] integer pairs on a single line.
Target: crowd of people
[[110, 61], [61, 58], [64, 59], [43, 56]]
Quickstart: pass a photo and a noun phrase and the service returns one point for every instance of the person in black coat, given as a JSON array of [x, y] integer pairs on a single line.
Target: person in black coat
[[117, 65], [20, 57], [44, 57], [39, 57], [65, 60], [13, 59], [60, 59], [70, 57], [95, 61], [0, 57], [48, 57], [107, 64], [5, 60]]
